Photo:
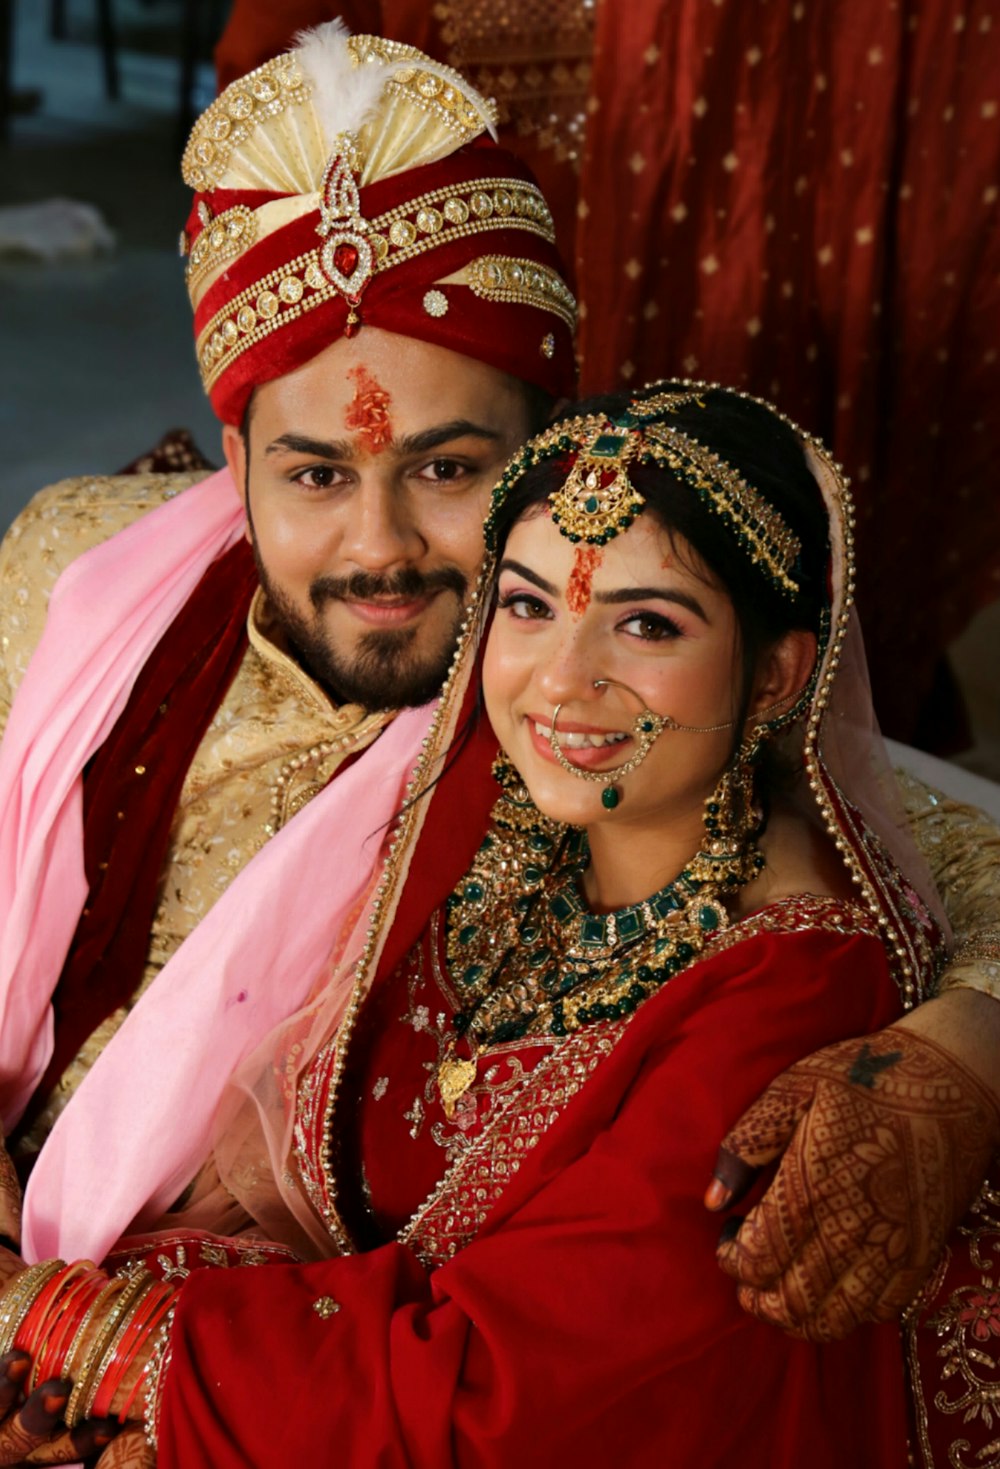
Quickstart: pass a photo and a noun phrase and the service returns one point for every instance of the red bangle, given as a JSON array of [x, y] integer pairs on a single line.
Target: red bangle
[[131, 1338], [73, 1308], [26, 1339]]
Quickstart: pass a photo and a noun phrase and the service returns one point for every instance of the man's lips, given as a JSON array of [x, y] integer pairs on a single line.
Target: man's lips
[[388, 611]]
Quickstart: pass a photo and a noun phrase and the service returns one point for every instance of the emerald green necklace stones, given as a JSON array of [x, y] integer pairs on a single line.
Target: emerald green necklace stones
[[527, 957]]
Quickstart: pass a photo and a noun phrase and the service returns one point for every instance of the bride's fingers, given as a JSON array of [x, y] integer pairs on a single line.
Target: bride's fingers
[[23, 1432]]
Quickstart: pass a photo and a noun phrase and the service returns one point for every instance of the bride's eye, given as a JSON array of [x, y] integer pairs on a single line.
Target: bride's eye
[[522, 605], [652, 627]]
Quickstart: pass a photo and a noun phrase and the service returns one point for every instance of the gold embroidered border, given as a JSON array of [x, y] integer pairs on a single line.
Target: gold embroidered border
[[967, 1326], [457, 1209], [512, 278], [399, 235], [223, 238], [801, 913]]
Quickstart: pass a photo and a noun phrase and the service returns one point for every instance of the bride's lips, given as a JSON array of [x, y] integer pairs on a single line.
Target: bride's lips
[[587, 757]]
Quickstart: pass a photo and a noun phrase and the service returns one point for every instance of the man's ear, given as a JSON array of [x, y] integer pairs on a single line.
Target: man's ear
[[235, 449], [784, 671]]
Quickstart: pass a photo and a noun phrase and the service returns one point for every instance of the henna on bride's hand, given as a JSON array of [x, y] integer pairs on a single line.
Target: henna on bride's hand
[[886, 1141], [129, 1451], [71, 1445], [35, 1423]]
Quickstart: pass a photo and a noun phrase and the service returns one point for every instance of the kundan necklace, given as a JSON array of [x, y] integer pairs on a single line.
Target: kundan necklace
[[528, 958]]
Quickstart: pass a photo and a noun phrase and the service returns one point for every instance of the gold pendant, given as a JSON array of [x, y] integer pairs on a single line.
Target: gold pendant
[[454, 1079]]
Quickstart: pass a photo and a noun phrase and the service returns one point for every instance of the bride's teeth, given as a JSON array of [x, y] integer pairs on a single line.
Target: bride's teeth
[[576, 740]]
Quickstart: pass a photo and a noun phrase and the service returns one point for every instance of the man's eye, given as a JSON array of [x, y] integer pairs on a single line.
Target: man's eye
[[316, 477], [443, 471]]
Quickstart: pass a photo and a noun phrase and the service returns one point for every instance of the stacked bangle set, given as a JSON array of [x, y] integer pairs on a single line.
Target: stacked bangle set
[[76, 1322]]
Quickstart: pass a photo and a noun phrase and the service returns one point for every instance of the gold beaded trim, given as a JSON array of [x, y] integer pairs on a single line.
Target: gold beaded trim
[[511, 278], [754, 519], [223, 238], [446, 101], [402, 233], [978, 947], [232, 117], [279, 84]]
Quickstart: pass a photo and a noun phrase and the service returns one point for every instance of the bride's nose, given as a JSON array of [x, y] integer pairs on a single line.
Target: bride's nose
[[569, 669]]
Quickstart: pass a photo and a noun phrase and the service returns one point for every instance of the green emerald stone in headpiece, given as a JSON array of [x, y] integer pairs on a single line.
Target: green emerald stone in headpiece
[[596, 500]]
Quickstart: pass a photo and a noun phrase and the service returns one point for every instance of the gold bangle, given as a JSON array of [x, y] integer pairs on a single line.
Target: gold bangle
[[19, 1297], [125, 1317], [156, 1371], [106, 1332], [112, 1289]]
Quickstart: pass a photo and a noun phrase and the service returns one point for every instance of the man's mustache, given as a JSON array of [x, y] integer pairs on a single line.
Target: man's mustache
[[404, 585]]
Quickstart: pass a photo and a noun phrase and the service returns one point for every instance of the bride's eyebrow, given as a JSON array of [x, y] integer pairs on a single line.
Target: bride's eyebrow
[[529, 575], [615, 598], [661, 594]]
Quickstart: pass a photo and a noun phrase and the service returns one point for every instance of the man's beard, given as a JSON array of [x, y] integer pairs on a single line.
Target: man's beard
[[383, 671]]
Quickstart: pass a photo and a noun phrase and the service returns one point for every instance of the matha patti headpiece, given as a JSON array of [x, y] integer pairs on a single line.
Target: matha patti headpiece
[[353, 181], [597, 500]]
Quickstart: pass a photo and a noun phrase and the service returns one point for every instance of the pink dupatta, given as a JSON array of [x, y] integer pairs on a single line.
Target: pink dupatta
[[140, 1124]]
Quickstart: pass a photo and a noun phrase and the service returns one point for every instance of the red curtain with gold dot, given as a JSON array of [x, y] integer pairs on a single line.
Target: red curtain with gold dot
[[800, 199]]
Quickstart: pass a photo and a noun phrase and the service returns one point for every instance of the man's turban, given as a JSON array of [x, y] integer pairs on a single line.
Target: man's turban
[[353, 182]]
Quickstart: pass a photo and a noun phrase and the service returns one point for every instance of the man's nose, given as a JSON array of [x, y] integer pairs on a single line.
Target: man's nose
[[381, 532]]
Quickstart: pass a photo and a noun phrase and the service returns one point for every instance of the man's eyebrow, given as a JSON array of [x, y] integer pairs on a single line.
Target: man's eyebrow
[[419, 443], [433, 438], [660, 594], [303, 444]]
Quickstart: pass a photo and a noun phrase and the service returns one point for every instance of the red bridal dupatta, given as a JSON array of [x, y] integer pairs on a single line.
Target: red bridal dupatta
[[555, 1298]]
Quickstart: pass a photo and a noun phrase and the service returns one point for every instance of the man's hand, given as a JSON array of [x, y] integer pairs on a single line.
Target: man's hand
[[888, 1139]]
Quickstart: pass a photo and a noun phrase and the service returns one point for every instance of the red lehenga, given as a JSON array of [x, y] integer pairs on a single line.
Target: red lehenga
[[537, 1282], [532, 1280]]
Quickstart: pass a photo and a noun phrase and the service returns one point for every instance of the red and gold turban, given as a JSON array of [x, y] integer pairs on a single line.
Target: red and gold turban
[[352, 182]]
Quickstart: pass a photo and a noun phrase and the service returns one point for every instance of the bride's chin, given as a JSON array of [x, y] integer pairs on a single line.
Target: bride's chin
[[576, 805]]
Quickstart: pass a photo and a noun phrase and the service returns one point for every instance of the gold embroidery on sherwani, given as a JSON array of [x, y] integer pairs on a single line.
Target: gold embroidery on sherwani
[[962, 848], [272, 715]]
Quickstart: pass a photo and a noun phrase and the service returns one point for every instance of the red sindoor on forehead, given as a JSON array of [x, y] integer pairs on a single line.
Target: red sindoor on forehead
[[368, 411], [586, 560]]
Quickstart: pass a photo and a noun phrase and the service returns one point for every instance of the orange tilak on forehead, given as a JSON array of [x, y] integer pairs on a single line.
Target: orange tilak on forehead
[[586, 560], [368, 410]]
